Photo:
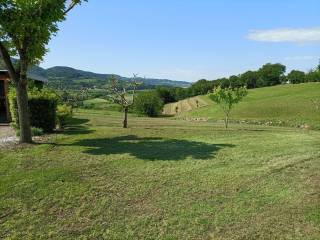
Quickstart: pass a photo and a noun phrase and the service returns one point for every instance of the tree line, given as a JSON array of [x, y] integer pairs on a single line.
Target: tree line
[[268, 75]]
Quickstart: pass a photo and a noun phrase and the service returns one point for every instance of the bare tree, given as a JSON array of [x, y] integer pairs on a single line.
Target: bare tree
[[120, 94]]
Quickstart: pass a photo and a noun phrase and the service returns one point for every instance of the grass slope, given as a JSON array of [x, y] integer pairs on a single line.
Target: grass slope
[[289, 104], [184, 105], [162, 179]]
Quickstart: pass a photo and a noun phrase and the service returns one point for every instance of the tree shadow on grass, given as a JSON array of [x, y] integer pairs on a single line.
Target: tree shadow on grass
[[148, 148], [76, 126]]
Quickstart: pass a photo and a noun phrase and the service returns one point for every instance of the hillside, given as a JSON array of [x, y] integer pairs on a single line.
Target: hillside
[[288, 105], [76, 79]]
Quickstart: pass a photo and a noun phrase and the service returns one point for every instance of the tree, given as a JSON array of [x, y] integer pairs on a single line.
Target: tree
[[313, 76], [166, 94], [250, 79], [226, 98], [271, 74], [148, 103], [26, 26], [201, 87], [120, 95], [296, 76]]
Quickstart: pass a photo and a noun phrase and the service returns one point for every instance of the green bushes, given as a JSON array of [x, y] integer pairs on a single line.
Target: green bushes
[[42, 106], [148, 103], [64, 114], [34, 132]]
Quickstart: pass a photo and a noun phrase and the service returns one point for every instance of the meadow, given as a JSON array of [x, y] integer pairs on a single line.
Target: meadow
[[284, 105], [162, 178]]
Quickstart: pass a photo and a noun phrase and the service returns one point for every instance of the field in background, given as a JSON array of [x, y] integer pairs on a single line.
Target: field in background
[[162, 179], [287, 105]]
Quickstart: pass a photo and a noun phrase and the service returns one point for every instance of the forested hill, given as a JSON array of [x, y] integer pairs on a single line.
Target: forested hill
[[71, 78], [75, 79]]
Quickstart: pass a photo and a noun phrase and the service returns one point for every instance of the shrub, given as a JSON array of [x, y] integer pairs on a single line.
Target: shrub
[[148, 103], [64, 114], [42, 106], [34, 131]]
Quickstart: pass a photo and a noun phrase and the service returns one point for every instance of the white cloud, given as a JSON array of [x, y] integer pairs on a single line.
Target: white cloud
[[296, 35], [302, 58]]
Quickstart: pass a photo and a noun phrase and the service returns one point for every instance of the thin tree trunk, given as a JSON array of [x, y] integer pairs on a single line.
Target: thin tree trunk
[[226, 121], [125, 121], [23, 109]]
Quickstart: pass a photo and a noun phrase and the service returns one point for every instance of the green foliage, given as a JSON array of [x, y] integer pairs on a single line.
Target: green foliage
[[26, 26], [226, 98], [295, 77], [271, 74], [34, 131], [268, 75], [285, 105], [101, 104], [73, 98], [64, 114], [167, 94], [148, 103], [313, 75], [42, 106], [69, 78]]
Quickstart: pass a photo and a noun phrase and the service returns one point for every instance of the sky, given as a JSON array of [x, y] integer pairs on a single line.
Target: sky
[[187, 39]]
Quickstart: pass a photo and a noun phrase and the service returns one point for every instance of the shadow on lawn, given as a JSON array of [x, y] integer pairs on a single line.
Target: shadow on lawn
[[151, 148], [76, 127]]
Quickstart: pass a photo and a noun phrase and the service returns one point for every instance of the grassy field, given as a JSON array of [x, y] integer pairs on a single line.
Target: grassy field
[[100, 104], [162, 179], [288, 105]]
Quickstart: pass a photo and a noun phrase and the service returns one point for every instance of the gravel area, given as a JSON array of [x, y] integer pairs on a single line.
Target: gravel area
[[7, 135]]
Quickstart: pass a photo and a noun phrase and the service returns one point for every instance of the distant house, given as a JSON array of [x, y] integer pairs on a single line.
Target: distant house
[[4, 88]]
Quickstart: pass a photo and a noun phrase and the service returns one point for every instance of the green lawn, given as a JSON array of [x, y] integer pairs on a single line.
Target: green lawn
[[289, 105], [162, 179]]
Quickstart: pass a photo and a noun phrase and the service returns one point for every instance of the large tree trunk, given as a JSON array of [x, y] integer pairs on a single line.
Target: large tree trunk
[[125, 121], [20, 80], [23, 109]]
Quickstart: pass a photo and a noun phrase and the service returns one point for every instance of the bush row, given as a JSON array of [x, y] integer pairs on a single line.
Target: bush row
[[44, 111]]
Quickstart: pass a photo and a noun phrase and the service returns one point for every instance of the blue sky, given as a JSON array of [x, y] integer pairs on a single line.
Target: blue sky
[[187, 39]]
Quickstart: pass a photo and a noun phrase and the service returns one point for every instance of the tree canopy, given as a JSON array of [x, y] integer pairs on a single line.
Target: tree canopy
[[26, 27]]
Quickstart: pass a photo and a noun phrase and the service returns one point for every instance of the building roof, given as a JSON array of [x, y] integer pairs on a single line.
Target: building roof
[[31, 76]]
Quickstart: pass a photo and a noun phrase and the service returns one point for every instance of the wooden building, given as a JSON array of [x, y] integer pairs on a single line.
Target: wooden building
[[4, 104], [4, 88]]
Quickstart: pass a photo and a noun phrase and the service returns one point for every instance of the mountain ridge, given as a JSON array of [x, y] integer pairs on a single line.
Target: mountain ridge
[[69, 74], [77, 78]]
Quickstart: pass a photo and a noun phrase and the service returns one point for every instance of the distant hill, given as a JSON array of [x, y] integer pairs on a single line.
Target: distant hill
[[284, 105], [76, 79]]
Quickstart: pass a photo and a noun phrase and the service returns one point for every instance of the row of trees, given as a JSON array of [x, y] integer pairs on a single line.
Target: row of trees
[[268, 75]]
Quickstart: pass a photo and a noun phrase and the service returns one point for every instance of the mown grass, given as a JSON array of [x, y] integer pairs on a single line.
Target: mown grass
[[288, 105], [162, 179]]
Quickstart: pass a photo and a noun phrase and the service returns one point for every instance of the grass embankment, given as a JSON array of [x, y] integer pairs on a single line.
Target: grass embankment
[[287, 105], [162, 179]]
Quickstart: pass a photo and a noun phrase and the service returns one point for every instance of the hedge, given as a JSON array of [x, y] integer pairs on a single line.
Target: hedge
[[42, 106]]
